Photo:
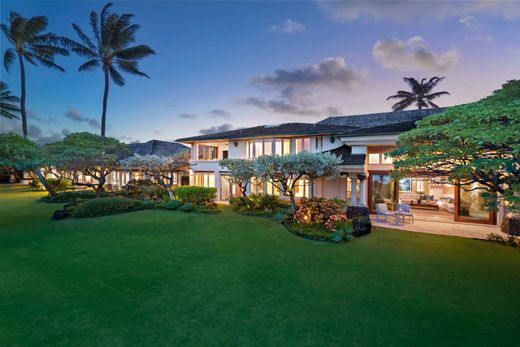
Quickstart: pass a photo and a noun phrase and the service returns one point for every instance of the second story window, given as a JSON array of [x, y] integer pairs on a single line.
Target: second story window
[[302, 145], [207, 152]]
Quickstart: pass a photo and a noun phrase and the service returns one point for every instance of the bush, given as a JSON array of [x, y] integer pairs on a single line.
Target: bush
[[107, 206], [172, 205], [195, 195], [321, 211], [239, 203], [512, 241], [187, 207], [71, 197], [144, 189], [317, 231]]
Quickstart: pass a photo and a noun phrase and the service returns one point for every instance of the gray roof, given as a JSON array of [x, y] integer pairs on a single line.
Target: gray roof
[[271, 130], [379, 119], [157, 147]]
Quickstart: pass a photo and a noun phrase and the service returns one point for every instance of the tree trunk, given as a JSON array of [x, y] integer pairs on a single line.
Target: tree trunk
[[170, 194], [22, 96], [43, 181], [293, 202], [101, 183], [105, 101]]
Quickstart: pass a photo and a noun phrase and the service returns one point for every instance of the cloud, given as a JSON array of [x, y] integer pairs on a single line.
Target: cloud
[[217, 129], [188, 116], [331, 72], [34, 132], [31, 114], [287, 107], [288, 27], [219, 113], [76, 116], [413, 54], [414, 11], [65, 132]]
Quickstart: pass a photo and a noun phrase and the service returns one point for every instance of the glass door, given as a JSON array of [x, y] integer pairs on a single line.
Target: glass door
[[469, 206], [381, 189]]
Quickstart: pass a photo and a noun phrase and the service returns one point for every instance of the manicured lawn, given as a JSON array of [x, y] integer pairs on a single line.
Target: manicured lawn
[[164, 278]]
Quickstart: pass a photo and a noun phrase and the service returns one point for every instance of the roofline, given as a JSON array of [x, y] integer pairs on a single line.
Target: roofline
[[194, 138]]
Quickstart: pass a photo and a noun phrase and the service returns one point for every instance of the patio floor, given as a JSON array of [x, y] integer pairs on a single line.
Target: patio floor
[[442, 227]]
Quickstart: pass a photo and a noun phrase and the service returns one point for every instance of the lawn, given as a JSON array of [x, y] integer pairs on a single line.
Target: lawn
[[165, 277]]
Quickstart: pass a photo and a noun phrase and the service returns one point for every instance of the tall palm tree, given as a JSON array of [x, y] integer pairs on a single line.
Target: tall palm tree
[[420, 95], [30, 45], [8, 103], [110, 50]]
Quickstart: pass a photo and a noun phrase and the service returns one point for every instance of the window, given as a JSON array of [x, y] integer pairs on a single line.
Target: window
[[208, 152], [301, 188], [303, 144], [349, 189], [250, 149], [386, 160], [259, 148], [225, 154], [268, 147], [307, 144], [205, 179], [373, 158], [286, 146]]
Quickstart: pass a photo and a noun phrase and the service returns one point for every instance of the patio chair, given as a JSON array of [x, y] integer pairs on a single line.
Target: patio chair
[[382, 210], [406, 211]]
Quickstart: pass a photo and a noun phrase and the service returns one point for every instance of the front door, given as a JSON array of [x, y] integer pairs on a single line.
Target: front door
[[381, 189]]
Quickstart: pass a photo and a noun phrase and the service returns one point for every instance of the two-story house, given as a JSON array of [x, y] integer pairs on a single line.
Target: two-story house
[[361, 142]]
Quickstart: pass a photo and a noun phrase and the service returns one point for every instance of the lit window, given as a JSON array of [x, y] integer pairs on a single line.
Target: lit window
[[286, 146], [259, 148], [207, 152], [387, 160], [205, 180], [268, 147], [373, 158], [250, 150], [307, 144], [278, 147], [298, 146]]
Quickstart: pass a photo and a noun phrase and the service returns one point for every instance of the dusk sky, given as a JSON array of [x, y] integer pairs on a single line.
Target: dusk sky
[[223, 65]]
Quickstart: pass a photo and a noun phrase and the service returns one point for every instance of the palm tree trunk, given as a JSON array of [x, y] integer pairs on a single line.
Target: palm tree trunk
[[36, 170], [105, 101], [22, 96]]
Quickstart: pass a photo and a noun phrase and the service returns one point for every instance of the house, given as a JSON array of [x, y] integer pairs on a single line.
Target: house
[[361, 142]]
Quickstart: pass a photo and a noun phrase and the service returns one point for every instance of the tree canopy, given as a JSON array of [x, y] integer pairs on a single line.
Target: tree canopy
[[472, 143], [420, 94], [241, 171]]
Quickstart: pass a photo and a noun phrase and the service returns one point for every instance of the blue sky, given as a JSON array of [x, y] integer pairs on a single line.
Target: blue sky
[[222, 65]]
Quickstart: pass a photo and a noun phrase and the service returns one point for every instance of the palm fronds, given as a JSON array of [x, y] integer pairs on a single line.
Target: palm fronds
[[420, 94]]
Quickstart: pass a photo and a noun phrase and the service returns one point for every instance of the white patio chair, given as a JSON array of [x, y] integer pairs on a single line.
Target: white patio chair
[[382, 210], [405, 210]]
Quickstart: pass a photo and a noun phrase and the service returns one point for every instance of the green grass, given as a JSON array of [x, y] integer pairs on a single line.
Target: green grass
[[171, 278]]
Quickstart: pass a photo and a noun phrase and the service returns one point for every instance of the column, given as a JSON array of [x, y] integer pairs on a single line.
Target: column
[[362, 197], [353, 189], [217, 184]]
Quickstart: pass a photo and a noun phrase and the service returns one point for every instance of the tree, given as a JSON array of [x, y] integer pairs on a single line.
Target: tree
[[283, 172], [30, 45], [85, 153], [420, 95], [8, 107], [110, 50], [471, 143], [241, 172], [19, 153], [163, 170]]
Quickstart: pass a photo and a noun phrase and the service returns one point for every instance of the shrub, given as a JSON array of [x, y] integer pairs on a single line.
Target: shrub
[[71, 197], [172, 205], [321, 211], [187, 207], [144, 189], [271, 203], [238, 203], [107, 206], [195, 195], [512, 241], [342, 203]]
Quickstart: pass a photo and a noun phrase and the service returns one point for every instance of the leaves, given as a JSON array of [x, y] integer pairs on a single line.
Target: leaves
[[419, 94]]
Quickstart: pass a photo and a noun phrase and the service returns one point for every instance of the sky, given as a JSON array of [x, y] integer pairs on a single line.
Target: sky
[[225, 65]]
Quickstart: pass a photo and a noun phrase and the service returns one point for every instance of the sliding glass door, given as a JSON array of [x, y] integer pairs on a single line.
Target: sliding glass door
[[381, 189]]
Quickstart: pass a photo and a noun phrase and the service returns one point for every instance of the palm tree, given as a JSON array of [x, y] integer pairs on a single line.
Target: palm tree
[[30, 45], [420, 94], [110, 49], [8, 103]]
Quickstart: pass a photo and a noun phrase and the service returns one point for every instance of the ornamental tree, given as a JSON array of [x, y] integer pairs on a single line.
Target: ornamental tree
[[283, 172], [471, 143], [241, 172], [163, 170], [85, 153], [19, 153]]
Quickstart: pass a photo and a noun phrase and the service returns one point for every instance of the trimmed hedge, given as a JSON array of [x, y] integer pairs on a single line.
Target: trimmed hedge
[[108, 206], [195, 195], [71, 197]]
